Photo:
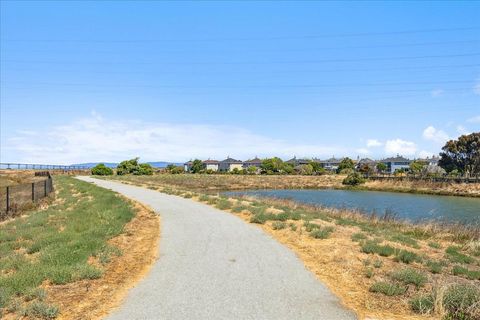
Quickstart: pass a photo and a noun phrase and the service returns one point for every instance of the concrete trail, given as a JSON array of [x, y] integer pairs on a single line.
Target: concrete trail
[[213, 265]]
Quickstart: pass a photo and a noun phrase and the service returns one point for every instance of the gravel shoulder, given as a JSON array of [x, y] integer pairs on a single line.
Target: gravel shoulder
[[212, 265]]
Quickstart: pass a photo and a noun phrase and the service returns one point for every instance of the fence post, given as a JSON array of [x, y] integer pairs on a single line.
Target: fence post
[[8, 199], [45, 187], [33, 191]]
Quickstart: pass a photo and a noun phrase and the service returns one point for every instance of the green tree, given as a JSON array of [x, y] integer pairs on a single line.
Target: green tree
[[304, 169], [381, 167], [317, 167], [274, 165], [197, 166], [417, 166], [252, 170], [462, 155], [102, 170], [143, 169], [127, 166], [346, 163]]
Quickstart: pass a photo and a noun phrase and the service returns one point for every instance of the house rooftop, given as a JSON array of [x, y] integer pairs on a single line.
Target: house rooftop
[[231, 160], [211, 161], [398, 158]]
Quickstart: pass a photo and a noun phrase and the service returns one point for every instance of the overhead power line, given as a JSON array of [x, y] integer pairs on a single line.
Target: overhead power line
[[253, 62], [317, 36]]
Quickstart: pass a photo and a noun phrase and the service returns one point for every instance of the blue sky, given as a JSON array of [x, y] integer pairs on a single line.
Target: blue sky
[[104, 81]]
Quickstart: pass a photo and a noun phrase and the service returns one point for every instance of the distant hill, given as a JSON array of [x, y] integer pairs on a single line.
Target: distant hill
[[155, 164]]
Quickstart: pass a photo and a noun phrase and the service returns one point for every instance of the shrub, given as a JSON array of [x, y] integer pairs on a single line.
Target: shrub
[[461, 302], [378, 263], [293, 227], [410, 276], [369, 273], [102, 170], [453, 254], [278, 225], [280, 216], [204, 198], [133, 167], [321, 233], [388, 289], [353, 179], [422, 304], [406, 256]]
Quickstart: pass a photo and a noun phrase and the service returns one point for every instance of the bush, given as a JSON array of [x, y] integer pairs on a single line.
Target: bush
[[410, 276], [41, 310], [353, 179], [422, 304], [259, 218], [102, 170], [133, 167], [388, 289], [434, 266], [280, 216], [223, 204], [461, 302]]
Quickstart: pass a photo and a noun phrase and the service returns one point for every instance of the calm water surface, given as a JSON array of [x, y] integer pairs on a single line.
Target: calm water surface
[[412, 207]]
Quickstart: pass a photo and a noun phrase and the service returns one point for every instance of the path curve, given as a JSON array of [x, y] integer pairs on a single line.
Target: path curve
[[213, 265]]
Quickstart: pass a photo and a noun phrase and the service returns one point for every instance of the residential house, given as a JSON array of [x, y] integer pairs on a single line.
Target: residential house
[[255, 162], [296, 162], [366, 162], [230, 164], [433, 161], [396, 163], [187, 166], [330, 164], [211, 164]]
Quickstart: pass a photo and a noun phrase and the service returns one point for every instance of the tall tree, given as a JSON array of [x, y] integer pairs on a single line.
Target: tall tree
[[462, 155], [197, 166]]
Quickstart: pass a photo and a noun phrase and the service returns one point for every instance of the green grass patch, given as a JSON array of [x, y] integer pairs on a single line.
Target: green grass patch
[[435, 245], [359, 236], [410, 276], [387, 288], [371, 247], [406, 256], [466, 273], [321, 232], [62, 238], [404, 239], [435, 266], [223, 204], [422, 304], [453, 254], [278, 225], [461, 302]]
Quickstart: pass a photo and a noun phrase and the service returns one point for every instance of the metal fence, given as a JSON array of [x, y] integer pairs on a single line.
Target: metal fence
[[17, 197], [32, 166]]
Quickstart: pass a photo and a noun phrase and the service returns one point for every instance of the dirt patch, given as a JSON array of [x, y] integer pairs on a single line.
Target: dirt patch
[[93, 299]]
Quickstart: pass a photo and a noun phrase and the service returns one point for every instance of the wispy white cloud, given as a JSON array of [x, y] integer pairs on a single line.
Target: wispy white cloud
[[462, 130], [432, 134], [399, 146], [475, 119], [99, 139], [371, 143]]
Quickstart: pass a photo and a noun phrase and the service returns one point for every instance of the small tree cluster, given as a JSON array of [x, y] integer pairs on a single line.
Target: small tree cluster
[[353, 179], [101, 170], [134, 167]]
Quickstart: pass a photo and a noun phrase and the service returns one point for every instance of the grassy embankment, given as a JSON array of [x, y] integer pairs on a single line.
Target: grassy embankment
[[379, 267], [75, 258], [241, 182]]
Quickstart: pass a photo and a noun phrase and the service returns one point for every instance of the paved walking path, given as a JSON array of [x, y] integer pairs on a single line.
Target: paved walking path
[[213, 265]]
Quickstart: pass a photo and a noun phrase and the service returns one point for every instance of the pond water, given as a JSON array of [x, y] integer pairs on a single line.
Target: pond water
[[413, 207]]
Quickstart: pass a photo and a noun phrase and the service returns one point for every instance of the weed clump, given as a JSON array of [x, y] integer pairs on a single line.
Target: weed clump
[[321, 233], [422, 304], [453, 254], [461, 301], [278, 225], [370, 247], [388, 289], [406, 256], [464, 272], [410, 276]]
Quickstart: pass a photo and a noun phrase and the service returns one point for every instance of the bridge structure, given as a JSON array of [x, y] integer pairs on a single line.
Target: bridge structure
[[34, 166]]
